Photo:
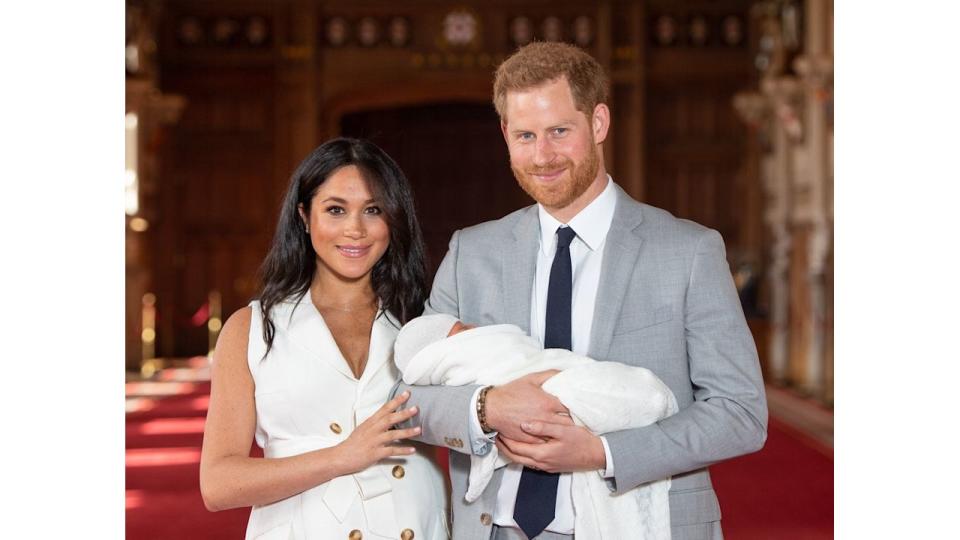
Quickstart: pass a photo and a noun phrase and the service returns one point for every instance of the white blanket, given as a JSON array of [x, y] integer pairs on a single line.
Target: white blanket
[[602, 396]]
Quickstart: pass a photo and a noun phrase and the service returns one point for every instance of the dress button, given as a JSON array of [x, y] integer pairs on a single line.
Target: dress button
[[407, 534], [398, 473], [335, 427], [355, 535], [485, 518]]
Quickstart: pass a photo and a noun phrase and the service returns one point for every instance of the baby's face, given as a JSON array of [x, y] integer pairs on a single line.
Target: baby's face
[[459, 327]]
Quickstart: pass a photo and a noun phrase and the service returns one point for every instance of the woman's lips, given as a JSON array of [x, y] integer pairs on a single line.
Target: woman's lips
[[353, 252]]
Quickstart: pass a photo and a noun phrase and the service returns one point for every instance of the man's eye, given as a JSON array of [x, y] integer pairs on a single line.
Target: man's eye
[[526, 136], [560, 131]]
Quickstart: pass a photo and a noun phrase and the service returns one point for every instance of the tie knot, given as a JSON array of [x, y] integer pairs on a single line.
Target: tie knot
[[565, 235]]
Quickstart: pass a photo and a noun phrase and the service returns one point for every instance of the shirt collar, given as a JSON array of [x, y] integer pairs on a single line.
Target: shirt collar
[[591, 224]]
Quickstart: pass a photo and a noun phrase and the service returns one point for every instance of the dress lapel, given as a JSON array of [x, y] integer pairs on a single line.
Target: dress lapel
[[306, 328], [519, 263], [620, 256], [382, 335]]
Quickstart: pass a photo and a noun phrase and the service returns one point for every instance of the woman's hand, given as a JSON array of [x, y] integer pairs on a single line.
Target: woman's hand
[[373, 439]]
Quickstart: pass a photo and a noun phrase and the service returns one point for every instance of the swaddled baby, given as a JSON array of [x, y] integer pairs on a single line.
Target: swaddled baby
[[602, 396]]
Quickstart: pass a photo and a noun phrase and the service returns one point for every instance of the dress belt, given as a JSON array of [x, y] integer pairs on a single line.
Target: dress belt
[[372, 485]]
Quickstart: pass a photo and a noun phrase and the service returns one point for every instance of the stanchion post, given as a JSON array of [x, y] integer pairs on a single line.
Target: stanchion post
[[215, 322]]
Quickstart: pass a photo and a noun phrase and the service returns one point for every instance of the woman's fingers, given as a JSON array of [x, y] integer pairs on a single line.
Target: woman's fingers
[[393, 404], [398, 434], [402, 416]]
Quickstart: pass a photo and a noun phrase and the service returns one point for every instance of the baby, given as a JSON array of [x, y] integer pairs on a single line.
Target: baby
[[602, 396]]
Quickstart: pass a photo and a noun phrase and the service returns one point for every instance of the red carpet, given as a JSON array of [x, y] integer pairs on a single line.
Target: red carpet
[[783, 492]]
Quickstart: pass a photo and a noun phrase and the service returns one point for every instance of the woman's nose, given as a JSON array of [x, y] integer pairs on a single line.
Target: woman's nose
[[355, 228]]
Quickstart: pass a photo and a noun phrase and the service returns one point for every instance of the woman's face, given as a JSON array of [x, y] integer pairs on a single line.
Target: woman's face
[[347, 228]]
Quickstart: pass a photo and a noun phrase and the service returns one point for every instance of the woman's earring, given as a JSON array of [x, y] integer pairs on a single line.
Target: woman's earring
[[306, 229]]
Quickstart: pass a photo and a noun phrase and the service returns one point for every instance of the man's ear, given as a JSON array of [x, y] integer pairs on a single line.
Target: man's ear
[[503, 129], [600, 122]]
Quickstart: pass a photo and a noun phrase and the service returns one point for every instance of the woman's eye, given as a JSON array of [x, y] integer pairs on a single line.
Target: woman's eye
[[373, 210], [335, 210]]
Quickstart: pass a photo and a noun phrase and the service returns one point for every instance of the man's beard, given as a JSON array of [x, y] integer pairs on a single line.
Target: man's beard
[[561, 192]]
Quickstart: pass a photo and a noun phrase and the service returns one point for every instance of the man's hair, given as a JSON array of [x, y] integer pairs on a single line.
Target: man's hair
[[542, 62]]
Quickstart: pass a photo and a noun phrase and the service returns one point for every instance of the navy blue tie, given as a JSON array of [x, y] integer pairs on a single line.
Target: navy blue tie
[[537, 494]]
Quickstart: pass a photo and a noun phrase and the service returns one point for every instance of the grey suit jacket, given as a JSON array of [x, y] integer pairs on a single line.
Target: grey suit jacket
[[666, 302]]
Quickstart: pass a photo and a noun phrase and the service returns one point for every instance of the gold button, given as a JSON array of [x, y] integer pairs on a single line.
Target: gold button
[[485, 518], [398, 473], [355, 534], [335, 427], [407, 534]]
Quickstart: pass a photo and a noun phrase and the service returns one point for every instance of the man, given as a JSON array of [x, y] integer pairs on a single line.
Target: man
[[591, 270]]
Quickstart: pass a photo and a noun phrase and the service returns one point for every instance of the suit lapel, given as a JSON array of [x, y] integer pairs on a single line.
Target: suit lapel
[[518, 264], [620, 254]]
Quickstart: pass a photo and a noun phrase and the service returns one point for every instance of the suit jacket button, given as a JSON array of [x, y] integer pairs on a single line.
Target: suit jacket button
[[335, 427], [485, 518], [398, 473], [355, 535], [406, 534]]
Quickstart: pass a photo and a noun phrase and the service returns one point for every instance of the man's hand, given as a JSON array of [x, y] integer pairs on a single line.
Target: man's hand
[[567, 448], [522, 400]]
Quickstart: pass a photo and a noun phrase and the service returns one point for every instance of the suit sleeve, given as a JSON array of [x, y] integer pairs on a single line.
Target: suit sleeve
[[444, 410], [728, 417]]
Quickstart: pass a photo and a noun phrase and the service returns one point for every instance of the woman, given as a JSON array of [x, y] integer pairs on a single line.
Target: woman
[[307, 368]]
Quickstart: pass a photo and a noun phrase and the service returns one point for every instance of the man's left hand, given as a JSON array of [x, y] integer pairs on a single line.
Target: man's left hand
[[565, 448]]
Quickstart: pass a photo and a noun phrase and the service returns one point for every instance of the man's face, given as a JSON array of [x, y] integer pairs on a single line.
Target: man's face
[[553, 146]]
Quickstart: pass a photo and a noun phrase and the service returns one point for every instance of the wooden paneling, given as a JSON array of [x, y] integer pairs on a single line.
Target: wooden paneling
[[697, 150], [219, 198]]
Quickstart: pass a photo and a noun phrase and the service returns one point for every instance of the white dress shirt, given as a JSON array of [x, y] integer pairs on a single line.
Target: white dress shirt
[[586, 256]]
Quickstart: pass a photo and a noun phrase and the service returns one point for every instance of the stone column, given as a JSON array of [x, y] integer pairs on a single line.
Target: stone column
[[755, 109], [779, 170], [814, 187]]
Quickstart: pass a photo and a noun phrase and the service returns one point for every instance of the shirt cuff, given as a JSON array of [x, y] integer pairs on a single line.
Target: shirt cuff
[[608, 472], [480, 442]]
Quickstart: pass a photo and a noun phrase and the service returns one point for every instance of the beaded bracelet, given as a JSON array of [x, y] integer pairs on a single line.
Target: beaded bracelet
[[482, 409]]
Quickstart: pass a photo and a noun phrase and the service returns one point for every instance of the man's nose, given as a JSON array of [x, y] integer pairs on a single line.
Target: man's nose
[[543, 152]]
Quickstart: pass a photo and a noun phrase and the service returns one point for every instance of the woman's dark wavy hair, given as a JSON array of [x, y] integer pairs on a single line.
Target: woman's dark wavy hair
[[399, 278]]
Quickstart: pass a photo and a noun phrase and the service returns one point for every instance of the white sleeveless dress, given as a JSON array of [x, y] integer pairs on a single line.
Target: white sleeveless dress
[[307, 398]]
